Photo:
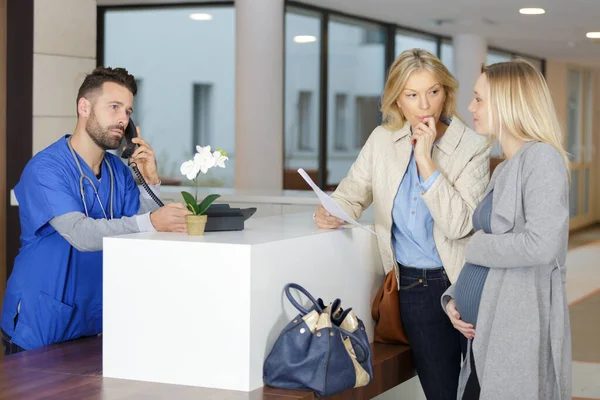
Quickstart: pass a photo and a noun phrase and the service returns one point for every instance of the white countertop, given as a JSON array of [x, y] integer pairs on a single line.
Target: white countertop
[[256, 231], [173, 193]]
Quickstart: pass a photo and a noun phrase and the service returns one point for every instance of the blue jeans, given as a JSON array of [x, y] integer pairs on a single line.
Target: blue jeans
[[436, 346], [9, 346]]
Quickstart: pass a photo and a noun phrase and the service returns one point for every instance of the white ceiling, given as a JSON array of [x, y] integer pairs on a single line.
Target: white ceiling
[[558, 34]]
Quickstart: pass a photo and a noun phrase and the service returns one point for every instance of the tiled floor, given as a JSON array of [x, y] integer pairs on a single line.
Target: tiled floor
[[583, 294], [585, 317]]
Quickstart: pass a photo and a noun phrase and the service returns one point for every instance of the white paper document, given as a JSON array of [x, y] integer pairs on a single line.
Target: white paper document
[[329, 204]]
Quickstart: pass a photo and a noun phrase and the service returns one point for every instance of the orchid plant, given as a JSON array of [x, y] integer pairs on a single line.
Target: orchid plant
[[203, 160]]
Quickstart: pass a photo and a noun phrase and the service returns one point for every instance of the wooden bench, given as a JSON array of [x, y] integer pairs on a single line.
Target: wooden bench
[[73, 370]]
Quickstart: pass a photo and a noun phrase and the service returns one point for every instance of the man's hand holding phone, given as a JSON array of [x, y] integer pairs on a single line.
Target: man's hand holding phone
[[145, 159]]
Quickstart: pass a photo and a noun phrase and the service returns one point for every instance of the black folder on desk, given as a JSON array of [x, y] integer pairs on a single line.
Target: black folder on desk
[[221, 217]]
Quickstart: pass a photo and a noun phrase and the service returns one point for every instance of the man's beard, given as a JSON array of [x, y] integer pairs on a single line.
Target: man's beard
[[101, 135]]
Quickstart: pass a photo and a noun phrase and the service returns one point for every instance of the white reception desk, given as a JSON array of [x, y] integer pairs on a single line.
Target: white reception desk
[[205, 311]]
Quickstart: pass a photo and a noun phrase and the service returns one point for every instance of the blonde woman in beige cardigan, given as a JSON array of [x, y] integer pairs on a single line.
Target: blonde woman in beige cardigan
[[424, 172]]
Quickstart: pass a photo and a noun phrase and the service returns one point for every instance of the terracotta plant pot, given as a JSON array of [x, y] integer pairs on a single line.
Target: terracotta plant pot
[[195, 224]]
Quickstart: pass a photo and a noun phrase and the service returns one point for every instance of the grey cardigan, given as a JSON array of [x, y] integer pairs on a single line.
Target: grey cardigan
[[522, 345]]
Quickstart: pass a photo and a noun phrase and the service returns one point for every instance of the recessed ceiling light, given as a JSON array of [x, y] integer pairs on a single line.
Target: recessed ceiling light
[[593, 35], [532, 11], [305, 39], [200, 17]]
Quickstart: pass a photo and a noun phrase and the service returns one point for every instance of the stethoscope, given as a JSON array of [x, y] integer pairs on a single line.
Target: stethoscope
[[82, 176]]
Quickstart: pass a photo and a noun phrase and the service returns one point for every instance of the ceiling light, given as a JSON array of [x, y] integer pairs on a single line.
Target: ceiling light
[[593, 35], [532, 11], [305, 39], [200, 17]]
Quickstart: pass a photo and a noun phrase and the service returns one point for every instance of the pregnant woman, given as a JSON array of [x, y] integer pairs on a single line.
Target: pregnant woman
[[510, 298]]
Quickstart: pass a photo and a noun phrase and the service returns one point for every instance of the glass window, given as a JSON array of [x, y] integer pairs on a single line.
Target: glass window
[[496, 56], [341, 122], [356, 70], [302, 96], [447, 55], [138, 100], [589, 115], [574, 115], [409, 40], [188, 73], [305, 120], [202, 114], [367, 118], [574, 194]]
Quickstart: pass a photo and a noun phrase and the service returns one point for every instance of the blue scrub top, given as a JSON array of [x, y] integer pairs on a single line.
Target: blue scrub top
[[55, 289]]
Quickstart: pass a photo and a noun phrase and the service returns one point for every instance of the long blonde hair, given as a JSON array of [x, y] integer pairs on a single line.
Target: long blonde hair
[[520, 103], [406, 63]]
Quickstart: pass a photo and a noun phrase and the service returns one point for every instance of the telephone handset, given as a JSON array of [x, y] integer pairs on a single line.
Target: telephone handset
[[130, 133]]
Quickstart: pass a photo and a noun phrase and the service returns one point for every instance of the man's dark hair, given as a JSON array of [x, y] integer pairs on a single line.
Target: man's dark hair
[[94, 81]]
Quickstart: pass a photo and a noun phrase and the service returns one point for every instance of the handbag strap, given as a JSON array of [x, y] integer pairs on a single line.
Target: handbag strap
[[360, 344], [304, 311]]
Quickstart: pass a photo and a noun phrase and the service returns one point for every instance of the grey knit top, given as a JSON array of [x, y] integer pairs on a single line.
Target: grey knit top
[[469, 285]]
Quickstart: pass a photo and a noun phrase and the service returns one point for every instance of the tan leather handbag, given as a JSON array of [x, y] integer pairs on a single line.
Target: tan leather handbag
[[385, 310]]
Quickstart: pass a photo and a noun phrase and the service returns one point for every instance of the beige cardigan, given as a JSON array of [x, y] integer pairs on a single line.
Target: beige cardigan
[[461, 156]]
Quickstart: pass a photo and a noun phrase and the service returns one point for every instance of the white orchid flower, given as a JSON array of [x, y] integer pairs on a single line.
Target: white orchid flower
[[189, 169], [220, 159], [204, 159], [200, 149]]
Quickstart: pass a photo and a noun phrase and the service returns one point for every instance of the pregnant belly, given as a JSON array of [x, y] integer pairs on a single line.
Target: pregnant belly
[[467, 291]]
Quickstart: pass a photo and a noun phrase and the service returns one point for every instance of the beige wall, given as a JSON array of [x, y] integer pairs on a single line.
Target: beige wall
[[64, 51], [2, 149]]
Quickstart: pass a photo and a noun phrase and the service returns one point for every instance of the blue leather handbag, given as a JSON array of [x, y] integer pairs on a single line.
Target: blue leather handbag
[[324, 349]]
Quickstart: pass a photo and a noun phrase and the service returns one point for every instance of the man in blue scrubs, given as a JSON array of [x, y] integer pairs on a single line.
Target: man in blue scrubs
[[71, 195]]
